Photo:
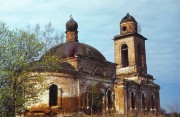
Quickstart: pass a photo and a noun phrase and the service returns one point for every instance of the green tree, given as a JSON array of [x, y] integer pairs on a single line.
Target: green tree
[[20, 48]]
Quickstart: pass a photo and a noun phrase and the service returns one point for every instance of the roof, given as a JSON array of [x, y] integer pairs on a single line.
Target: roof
[[128, 35], [71, 49], [55, 66], [71, 25], [128, 18]]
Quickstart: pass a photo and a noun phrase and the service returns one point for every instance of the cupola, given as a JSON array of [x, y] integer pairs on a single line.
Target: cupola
[[71, 25], [128, 25], [71, 31]]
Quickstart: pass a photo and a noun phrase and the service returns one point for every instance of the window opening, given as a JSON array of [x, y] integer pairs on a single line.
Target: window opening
[[132, 100], [124, 55], [142, 101], [152, 101], [109, 96], [53, 95], [98, 72]]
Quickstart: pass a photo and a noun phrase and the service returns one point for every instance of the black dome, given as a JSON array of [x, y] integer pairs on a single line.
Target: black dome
[[70, 49], [71, 25], [128, 18]]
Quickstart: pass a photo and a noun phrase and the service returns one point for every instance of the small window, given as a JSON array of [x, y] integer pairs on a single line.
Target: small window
[[20, 90], [53, 95], [98, 72], [109, 99], [152, 101], [143, 101], [124, 28], [133, 100], [124, 55], [20, 95]]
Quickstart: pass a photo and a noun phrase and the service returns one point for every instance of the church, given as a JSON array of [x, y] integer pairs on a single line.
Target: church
[[88, 83]]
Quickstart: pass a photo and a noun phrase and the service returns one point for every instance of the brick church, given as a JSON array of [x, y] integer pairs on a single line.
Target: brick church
[[88, 83]]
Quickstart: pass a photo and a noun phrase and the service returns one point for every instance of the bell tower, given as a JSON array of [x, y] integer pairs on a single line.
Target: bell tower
[[129, 49]]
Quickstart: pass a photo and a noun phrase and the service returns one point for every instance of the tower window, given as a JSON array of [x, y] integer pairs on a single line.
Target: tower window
[[133, 100], [53, 95], [124, 55], [124, 28]]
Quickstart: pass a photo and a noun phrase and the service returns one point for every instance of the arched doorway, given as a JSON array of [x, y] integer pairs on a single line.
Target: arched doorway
[[133, 100], [109, 95], [93, 100]]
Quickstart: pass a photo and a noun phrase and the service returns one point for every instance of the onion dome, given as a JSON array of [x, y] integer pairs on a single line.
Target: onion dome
[[72, 47], [128, 18], [71, 25]]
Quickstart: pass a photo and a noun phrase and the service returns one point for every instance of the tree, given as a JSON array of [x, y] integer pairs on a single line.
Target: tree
[[20, 48], [48, 36]]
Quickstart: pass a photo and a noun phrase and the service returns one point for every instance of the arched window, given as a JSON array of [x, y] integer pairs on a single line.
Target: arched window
[[20, 90], [143, 101], [98, 72], [139, 55], [124, 55], [53, 95], [152, 101], [109, 99], [20, 95], [133, 100]]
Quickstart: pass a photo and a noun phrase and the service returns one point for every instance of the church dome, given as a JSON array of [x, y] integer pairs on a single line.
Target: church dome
[[128, 18], [70, 49], [71, 25]]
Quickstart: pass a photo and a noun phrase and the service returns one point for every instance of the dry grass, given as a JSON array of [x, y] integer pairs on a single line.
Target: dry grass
[[118, 115]]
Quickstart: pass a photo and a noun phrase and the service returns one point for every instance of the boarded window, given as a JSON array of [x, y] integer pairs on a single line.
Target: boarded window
[[124, 55], [53, 95]]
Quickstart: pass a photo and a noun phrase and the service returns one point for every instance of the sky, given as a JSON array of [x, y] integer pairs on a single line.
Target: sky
[[98, 22]]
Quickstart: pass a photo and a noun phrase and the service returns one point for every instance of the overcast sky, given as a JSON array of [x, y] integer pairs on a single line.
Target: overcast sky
[[98, 22]]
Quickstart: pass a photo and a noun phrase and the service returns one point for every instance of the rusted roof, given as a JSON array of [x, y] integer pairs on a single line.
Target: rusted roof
[[70, 49]]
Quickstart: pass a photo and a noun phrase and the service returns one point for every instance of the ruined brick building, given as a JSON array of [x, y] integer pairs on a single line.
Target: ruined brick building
[[88, 83]]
